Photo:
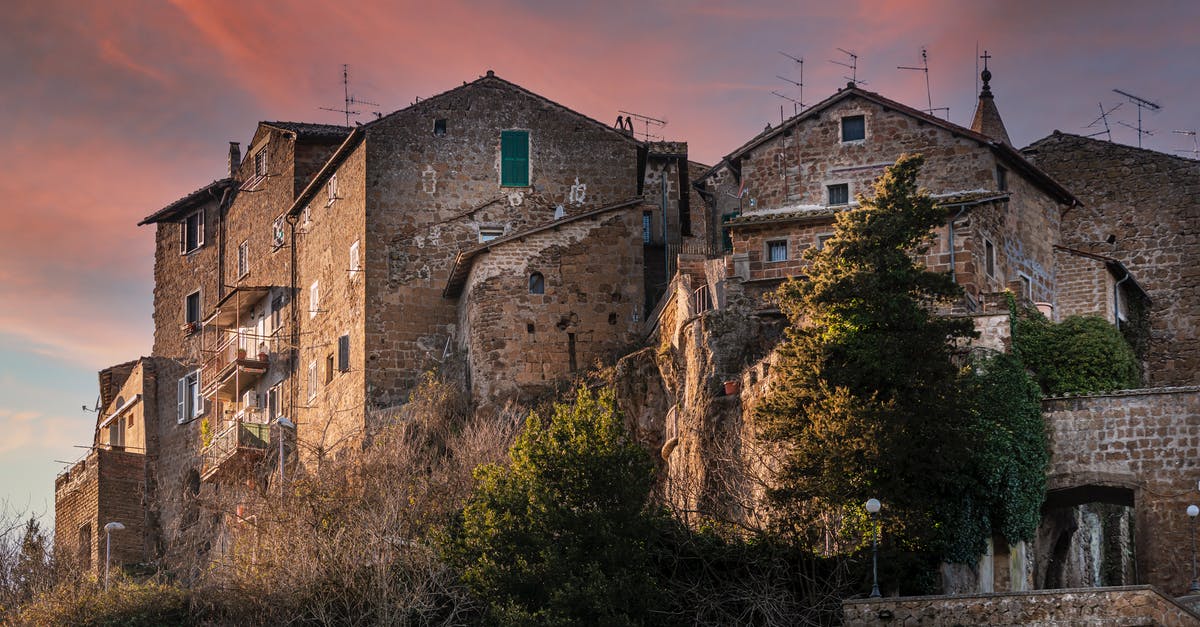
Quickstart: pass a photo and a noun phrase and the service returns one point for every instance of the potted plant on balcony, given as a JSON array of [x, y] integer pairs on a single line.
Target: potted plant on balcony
[[262, 351]]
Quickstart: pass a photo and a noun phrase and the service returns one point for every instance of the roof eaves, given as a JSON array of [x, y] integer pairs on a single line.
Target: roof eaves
[[347, 146], [1113, 265], [187, 202]]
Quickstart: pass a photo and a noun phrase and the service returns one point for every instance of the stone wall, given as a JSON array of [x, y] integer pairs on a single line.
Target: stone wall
[[1129, 605], [1141, 208], [1085, 287], [1142, 443], [106, 486]]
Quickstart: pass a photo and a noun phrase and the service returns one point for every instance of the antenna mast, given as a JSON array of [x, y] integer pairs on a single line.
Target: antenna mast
[[647, 121], [1195, 144], [1103, 118], [1141, 103], [928, 94], [853, 65], [800, 84], [347, 98]]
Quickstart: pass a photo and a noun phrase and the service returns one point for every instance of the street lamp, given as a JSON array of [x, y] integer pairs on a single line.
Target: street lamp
[[108, 529], [873, 506], [1192, 512], [283, 423]]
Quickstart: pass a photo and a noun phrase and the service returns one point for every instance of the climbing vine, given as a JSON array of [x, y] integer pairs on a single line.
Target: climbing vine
[[1080, 355]]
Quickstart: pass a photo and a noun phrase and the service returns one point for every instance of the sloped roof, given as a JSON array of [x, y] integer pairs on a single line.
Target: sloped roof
[[466, 258], [818, 213], [308, 130], [191, 201], [1004, 152], [1114, 266]]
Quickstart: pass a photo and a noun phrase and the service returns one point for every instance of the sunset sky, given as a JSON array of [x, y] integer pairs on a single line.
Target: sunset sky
[[114, 109]]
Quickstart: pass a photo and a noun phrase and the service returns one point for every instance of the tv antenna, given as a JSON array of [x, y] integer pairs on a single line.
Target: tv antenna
[[1195, 143], [800, 84], [647, 121], [1103, 118], [928, 94], [347, 98], [1141, 103], [853, 65]]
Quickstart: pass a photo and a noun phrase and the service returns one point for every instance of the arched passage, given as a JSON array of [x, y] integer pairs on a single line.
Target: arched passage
[[1086, 537]]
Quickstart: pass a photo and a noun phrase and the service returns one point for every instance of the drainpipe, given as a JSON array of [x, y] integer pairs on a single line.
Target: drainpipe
[[950, 227], [1117, 299], [295, 348]]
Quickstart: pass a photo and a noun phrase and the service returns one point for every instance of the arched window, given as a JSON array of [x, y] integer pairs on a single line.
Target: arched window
[[537, 283]]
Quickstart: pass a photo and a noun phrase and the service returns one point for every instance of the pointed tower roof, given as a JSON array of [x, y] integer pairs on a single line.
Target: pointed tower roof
[[987, 118]]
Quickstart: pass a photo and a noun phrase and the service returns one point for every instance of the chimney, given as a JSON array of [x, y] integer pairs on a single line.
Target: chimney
[[235, 159]]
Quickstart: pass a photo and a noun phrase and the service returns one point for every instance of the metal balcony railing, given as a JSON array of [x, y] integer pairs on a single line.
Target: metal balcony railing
[[238, 443]]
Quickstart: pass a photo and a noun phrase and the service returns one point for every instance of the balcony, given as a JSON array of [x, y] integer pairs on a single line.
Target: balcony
[[239, 361], [236, 449]]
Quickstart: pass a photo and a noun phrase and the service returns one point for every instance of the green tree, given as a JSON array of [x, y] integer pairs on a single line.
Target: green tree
[[561, 536], [868, 396], [1079, 355]]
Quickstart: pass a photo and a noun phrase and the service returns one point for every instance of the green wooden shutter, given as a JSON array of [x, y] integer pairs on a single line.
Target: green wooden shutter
[[514, 158]]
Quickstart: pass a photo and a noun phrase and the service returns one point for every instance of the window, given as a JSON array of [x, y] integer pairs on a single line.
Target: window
[[839, 194], [344, 353], [439, 127], [537, 283], [191, 311], [276, 313], [191, 232], [777, 251], [822, 238], [989, 257], [277, 235], [1001, 178], [331, 190], [189, 404], [726, 232], [314, 300], [116, 433], [274, 395], [243, 267], [646, 218], [1026, 287], [854, 128], [328, 368], [355, 264], [260, 163], [514, 158], [312, 380], [487, 233]]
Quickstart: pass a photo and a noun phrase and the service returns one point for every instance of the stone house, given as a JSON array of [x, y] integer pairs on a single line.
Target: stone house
[[335, 265]]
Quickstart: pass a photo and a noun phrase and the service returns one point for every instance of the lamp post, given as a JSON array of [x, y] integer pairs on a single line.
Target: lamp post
[[283, 423], [873, 506], [108, 529], [1192, 512]]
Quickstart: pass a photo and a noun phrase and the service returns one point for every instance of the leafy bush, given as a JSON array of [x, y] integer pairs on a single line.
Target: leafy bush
[[127, 603], [1080, 355]]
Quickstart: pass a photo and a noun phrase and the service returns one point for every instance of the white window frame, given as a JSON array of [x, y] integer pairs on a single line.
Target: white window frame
[[773, 244], [314, 299], [189, 402], [829, 195], [261, 163], [243, 259], [193, 325], [355, 260], [312, 380], [278, 236], [989, 258], [183, 232], [331, 190], [489, 233]]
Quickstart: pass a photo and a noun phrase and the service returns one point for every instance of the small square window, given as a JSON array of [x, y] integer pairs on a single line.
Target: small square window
[[314, 300], [989, 258], [439, 127], [854, 128], [243, 259], [822, 238], [487, 234], [1001, 178], [537, 283], [191, 233], [777, 251], [839, 194]]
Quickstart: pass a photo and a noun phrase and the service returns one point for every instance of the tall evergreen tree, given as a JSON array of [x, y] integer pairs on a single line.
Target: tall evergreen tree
[[868, 397]]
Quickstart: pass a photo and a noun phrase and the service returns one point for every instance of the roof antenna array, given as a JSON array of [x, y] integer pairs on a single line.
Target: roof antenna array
[[1141, 103], [928, 94], [348, 99], [1103, 118], [797, 105], [1195, 151], [647, 121], [853, 65]]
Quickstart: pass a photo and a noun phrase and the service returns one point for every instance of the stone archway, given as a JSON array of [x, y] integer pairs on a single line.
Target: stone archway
[[1086, 536]]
